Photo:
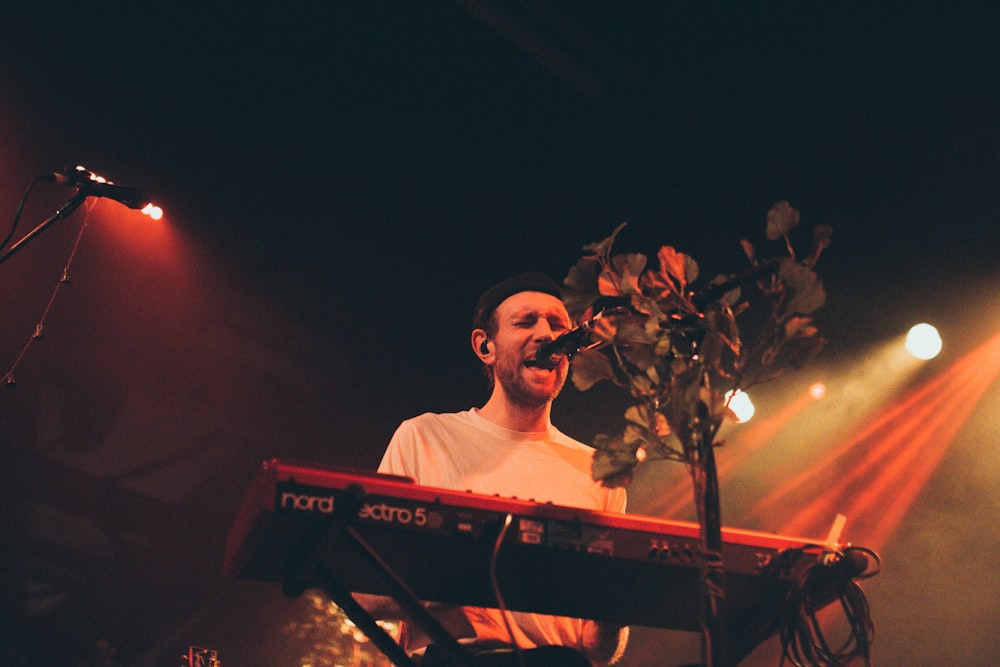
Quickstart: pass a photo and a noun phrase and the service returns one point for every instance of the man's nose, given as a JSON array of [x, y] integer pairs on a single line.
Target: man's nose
[[543, 331]]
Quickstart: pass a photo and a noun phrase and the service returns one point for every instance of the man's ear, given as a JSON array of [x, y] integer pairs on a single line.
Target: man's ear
[[481, 345]]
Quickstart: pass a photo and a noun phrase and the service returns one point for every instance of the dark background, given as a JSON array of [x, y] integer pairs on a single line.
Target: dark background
[[341, 180]]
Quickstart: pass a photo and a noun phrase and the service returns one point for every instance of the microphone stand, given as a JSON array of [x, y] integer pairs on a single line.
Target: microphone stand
[[65, 211], [715, 639]]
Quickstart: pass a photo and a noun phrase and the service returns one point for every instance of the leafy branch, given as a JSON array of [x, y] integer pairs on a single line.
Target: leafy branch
[[688, 344]]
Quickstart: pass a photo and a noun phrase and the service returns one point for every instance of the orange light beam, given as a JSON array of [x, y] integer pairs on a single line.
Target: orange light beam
[[874, 477]]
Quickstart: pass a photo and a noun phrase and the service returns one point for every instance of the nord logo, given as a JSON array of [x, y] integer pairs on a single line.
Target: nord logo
[[303, 502]]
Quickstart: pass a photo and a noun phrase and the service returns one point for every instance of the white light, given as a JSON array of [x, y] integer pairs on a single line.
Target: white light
[[154, 212], [739, 402], [817, 390], [923, 341]]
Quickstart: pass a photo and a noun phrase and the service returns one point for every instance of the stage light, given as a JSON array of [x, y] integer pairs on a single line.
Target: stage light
[[97, 178], [739, 402], [153, 211], [817, 390], [923, 341]]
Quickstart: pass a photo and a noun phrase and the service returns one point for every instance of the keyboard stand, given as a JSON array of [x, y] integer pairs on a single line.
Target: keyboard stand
[[308, 570]]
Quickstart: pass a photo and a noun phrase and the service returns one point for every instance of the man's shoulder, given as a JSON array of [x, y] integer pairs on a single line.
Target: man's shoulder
[[432, 419], [570, 442], [437, 423]]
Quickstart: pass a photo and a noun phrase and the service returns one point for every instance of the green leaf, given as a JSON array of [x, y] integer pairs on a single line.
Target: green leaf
[[641, 356], [581, 286], [804, 286], [676, 271], [642, 386], [637, 414], [628, 269], [781, 219], [731, 297], [637, 331], [590, 367], [673, 266], [614, 461], [711, 348], [611, 472], [822, 235], [603, 248]]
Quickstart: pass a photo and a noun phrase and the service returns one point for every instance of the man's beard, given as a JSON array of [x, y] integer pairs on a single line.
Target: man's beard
[[508, 371]]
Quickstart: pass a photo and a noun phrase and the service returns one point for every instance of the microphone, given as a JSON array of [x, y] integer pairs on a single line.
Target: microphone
[[568, 344], [88, 185]]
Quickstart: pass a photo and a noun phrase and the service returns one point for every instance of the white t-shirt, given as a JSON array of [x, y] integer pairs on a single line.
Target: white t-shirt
[[465, 452]]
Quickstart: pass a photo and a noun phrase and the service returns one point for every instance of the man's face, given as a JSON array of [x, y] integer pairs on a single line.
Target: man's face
[[525, 321]]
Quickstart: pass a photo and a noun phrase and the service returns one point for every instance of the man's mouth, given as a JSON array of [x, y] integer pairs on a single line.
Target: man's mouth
[[533, 363]]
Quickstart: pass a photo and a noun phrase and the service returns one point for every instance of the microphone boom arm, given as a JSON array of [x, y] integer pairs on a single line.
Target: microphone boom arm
[[65, 211]]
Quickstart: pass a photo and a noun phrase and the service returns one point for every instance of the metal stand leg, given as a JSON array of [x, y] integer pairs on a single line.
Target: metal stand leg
[[310, 572]]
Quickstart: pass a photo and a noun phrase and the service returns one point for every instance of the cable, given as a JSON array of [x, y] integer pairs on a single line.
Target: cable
[[495, 583], [20, 208], [802, 640], [9, 376]]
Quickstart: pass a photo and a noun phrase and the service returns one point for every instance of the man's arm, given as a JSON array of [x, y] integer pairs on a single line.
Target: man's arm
[[381, 607], [604, 643]]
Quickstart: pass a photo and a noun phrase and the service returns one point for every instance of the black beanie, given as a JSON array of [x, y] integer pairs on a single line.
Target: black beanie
[[494, 296]]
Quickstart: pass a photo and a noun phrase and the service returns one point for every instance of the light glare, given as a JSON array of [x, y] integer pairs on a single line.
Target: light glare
[[817, 390], [741, 405], [923, 341], [154, 212]]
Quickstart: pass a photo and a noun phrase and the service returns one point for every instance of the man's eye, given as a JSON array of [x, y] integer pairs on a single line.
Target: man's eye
[[558, 326]]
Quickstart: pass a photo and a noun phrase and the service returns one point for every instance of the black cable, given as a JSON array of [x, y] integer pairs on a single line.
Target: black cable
[[20, 209], [802, 638], [497, 593]]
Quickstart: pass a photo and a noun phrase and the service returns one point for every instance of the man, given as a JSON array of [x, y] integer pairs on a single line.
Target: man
[[508, 447]]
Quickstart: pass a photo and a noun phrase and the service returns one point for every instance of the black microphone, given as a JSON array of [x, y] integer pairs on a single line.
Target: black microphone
[[566, 345], [82, 180]]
